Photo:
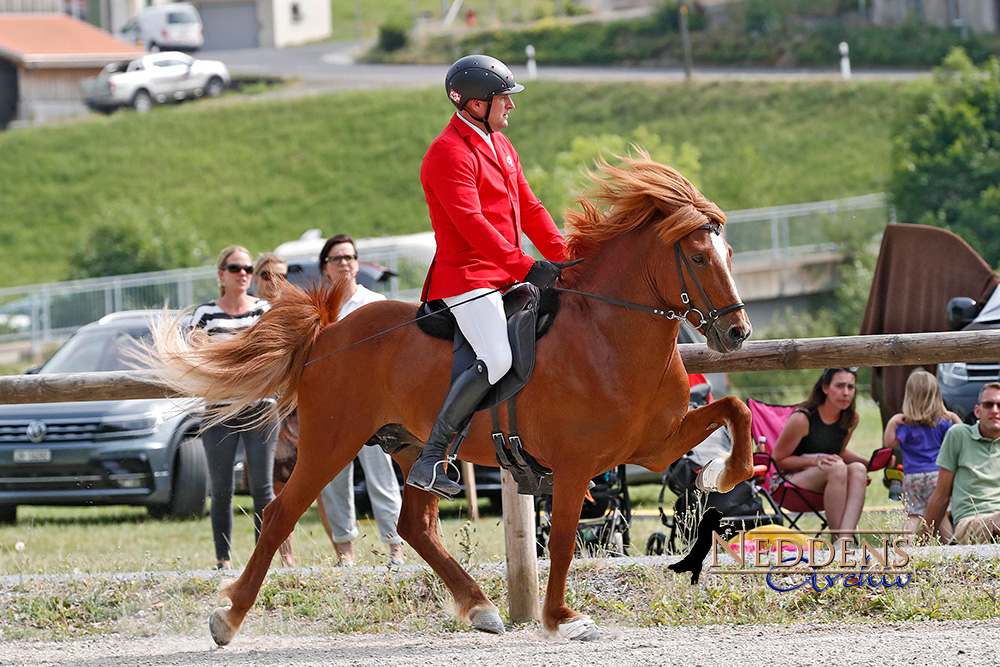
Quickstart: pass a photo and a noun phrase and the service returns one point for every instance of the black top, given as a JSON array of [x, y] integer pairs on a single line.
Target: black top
[[822, 438]]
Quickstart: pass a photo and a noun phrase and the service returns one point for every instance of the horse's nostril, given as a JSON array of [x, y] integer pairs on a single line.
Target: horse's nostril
[[737, 333]]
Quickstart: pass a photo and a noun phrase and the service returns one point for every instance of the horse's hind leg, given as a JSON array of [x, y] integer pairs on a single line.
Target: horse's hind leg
[[307, 480], [567, 502], [418, 526]]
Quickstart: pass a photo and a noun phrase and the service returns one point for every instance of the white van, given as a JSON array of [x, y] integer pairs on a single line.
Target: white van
[[173, 27]]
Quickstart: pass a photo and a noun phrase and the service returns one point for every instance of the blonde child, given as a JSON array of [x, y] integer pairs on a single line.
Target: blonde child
[[918, 431]]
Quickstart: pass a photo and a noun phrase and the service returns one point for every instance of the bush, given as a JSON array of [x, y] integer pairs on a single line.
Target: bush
[[392, 36], [123, 239], [946, 160]]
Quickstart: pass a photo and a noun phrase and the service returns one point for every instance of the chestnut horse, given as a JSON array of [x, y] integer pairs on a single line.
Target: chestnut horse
[[609, 386]]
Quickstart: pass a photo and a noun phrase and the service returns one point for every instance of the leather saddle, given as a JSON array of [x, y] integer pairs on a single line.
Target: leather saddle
[[529, 316]]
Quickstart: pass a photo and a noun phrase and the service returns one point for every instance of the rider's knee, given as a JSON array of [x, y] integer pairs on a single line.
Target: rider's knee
[[498, 364]]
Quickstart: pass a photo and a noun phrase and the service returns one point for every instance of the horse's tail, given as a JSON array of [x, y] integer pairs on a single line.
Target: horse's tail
[[264, 360]]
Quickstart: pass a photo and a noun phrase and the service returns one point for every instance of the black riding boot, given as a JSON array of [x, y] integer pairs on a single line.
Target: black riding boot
[[430, 470]]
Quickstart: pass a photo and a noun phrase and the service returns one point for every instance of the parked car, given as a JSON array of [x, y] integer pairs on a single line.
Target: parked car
[[172, 27], [126, 452], [960, 382], [163, 77]]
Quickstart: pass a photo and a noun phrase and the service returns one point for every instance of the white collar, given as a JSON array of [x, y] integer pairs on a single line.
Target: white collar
[[487, 138]]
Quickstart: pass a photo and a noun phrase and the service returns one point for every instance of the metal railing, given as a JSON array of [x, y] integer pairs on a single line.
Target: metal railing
[[50, 312]]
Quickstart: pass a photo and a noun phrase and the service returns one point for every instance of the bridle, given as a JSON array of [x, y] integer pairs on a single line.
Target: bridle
[[706, 322]]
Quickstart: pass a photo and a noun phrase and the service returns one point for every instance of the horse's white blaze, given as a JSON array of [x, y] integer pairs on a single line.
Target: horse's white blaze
[[719, 247]]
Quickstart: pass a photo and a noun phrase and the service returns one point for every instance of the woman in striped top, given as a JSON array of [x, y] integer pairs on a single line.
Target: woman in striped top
[[233, 311]]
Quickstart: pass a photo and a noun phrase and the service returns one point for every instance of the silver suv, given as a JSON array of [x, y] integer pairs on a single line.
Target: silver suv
[[135, 452]]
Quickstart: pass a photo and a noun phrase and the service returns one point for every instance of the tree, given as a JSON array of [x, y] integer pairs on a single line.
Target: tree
[[124, 239], [946, 157], [560, 187]]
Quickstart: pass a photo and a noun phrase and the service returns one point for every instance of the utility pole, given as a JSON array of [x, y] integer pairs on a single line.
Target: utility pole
[[686, 42]]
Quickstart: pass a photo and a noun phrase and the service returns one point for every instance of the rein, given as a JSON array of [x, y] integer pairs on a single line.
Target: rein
[[706, 322], [403, 324]]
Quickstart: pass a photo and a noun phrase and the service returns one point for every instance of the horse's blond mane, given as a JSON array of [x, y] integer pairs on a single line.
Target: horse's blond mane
[[633, 193]]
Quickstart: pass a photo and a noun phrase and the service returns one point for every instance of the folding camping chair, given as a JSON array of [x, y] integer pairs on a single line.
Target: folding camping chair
[[766, 423]]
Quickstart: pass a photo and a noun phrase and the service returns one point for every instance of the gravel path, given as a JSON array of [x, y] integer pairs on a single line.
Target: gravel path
[[928, 643]]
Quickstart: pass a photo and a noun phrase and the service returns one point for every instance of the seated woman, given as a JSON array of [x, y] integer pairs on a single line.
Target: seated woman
[[918, 432], [812, 449]]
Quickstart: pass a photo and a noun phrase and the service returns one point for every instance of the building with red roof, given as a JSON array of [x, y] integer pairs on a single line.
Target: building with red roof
[[43, 59]]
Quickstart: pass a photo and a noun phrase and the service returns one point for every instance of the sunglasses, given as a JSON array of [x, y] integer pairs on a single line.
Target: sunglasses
[[337, 259], [267, 275], [236, 268], [989, 405]]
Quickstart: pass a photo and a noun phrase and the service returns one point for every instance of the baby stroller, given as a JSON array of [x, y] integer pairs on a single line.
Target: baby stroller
[[604, 521], [743, 507]]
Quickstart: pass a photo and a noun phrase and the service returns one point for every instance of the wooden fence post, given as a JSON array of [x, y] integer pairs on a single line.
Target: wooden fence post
[[522, 563], [469, 478]]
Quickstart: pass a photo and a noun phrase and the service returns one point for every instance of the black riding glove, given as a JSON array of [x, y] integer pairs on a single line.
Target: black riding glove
[[543, 274]]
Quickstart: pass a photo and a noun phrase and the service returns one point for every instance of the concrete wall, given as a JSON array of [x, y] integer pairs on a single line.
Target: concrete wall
[[299, 21], [981, 15]]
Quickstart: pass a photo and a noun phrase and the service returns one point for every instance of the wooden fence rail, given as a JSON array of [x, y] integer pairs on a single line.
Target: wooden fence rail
[[763, 355]]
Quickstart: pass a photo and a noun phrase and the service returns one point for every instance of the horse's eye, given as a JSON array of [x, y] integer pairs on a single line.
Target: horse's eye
[[698, 259]]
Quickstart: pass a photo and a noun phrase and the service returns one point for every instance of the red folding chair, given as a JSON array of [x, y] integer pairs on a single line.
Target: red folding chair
[[766, 423]]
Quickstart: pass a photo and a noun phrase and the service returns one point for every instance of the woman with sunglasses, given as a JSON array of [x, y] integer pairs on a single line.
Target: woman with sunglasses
[[812, 449], [234, 311], [269, 276], [338, 260]]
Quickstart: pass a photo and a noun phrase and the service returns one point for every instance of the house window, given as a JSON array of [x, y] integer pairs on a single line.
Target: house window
[[296, 12]]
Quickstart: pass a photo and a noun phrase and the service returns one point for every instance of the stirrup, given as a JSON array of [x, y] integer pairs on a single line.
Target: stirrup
[[445, 464]]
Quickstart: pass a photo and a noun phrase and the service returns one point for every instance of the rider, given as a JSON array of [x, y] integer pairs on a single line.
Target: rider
[[479, 201]]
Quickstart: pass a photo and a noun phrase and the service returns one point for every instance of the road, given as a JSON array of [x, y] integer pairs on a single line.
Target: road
[[934, 644], [330, 66]]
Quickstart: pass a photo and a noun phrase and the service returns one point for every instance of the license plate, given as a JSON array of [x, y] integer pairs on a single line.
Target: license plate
[[32, 455]]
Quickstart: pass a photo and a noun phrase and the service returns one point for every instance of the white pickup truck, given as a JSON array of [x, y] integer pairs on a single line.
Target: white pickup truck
[[159, 77]]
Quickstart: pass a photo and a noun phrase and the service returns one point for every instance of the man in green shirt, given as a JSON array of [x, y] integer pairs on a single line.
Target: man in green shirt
[[969, 474]]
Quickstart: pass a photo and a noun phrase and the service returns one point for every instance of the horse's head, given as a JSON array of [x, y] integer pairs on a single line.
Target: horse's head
[[675, 236], [702, 260]]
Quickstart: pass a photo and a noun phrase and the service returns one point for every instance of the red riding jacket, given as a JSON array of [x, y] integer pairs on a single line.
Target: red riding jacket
[[478, 208]]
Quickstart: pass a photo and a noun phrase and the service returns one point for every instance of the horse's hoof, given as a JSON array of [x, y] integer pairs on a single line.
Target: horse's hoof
[[488, 620], [580, 629], [708, 478], [221, 631]]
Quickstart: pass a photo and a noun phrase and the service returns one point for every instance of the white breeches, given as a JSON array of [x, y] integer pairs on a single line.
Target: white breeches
[[483, 323]]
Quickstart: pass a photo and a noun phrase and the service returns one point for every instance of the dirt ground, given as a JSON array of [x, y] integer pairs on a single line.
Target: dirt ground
[[926, 643]]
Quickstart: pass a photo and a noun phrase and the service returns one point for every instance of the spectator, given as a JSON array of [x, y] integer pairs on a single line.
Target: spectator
[[269, 276], [339, 261], [234, 311], [969, 475], [918, 431], [812, 449]]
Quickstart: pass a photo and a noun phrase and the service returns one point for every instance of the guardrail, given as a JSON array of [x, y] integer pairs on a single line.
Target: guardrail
[[46, 313]]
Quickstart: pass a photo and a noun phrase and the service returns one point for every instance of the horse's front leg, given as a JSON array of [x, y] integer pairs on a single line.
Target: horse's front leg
[[567, 503], [724, 473], [418, 525]]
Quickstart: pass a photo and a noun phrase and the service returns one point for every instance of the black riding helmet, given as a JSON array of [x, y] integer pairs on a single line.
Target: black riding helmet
[[479, 78]]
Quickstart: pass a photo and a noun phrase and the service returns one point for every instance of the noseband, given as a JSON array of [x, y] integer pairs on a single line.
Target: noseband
[[706, 322]]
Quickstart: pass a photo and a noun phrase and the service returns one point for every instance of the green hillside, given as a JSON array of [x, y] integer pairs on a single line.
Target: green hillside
[[261, 173]]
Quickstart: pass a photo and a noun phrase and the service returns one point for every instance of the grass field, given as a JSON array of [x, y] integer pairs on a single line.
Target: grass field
[[354, 19], [261, 173], [123, 539]]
